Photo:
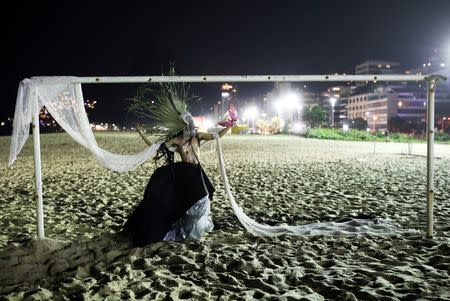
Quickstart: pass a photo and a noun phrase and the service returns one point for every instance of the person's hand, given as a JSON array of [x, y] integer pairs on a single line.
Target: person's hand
[[232, 119], [139, 127], [226, 123]]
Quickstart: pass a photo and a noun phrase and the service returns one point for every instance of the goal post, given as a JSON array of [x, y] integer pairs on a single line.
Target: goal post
[[431, 80]]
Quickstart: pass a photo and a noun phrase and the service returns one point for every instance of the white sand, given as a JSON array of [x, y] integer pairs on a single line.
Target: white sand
[[275, 179]]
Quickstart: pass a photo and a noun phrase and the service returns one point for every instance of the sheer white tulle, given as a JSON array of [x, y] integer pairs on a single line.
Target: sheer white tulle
[[194, 223], [64, 100]]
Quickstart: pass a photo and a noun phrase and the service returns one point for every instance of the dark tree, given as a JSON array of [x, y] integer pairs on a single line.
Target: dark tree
[[359, 124], [398, 124], [315, 116]]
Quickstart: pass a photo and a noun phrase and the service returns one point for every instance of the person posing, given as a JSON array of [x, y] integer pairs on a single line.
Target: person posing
[[176, 202]]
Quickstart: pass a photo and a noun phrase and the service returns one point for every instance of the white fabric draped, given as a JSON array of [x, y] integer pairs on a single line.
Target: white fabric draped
[[352, 227], [64, 100]]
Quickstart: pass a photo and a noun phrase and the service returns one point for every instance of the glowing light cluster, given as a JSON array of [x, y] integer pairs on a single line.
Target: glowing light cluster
[[250, 113], [288, 103]]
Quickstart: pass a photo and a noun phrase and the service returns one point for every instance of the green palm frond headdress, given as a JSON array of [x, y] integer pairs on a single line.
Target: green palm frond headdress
[[168, 107]]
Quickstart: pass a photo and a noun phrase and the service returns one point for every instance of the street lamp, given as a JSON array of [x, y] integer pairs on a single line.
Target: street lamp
[[332, 102]]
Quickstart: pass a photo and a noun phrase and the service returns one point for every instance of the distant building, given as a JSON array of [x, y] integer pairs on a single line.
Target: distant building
[[341, 94], [378, 67], [379, 104], [228, 95], [382, 107], [282, 87], [357, 106]]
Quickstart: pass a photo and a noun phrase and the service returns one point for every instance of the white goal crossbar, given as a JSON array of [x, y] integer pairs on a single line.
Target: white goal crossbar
[[431, 81]]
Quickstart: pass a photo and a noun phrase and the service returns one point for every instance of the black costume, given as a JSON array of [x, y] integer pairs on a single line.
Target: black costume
[[171, 191]]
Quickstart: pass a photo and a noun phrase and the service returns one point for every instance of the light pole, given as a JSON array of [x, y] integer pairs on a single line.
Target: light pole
[[332, 102]]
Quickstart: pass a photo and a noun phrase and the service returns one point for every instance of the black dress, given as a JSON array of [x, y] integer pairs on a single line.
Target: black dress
[[170, 192]]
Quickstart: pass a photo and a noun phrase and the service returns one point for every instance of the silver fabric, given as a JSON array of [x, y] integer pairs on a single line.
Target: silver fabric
[[194, 223]]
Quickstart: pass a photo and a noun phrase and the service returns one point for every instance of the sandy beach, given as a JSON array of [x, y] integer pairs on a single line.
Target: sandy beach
[[276, 179]]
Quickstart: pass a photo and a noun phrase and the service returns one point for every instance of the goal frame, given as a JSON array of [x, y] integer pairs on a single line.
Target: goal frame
[[430, 80]]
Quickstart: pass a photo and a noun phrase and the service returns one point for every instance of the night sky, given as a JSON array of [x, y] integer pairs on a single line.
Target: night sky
[[214, 37]]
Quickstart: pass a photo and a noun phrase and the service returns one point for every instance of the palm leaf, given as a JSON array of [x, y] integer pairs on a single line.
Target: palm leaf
[[163, 105]]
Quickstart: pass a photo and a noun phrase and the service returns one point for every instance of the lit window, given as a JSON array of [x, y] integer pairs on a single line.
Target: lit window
[[388, 66], [400, 104]]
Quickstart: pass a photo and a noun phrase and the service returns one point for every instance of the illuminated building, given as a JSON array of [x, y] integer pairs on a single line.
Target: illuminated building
[[341, 94], [378, 67], [357, 106], [378, 105], [228, 95]]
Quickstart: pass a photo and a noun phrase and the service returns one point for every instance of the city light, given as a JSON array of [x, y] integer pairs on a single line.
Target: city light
[[208, 123], [227, 87], [298, 127], [250, 113], [332, 102], [225, 94], [345, 127], [287, 103]]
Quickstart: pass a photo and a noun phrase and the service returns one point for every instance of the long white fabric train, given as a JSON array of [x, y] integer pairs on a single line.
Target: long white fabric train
[[354, 226], [65, 103]]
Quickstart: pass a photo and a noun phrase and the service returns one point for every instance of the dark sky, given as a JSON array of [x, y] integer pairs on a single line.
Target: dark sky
[[214, 37]]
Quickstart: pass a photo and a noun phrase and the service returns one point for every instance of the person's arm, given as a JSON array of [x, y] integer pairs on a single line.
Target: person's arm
[[208, 137], [141, 133]]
